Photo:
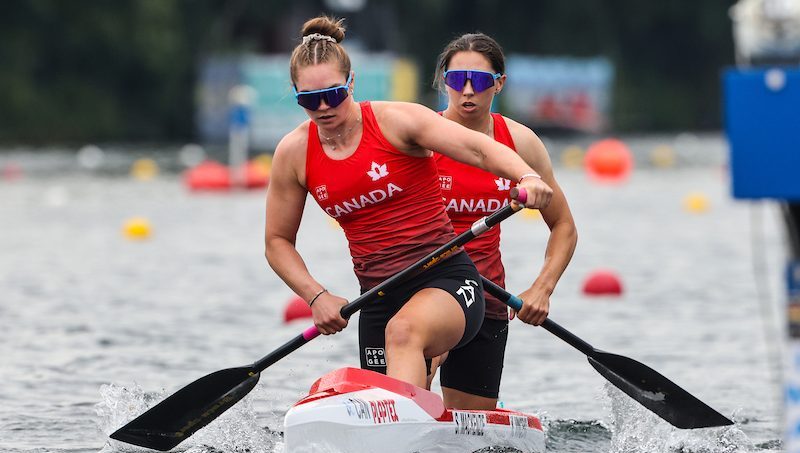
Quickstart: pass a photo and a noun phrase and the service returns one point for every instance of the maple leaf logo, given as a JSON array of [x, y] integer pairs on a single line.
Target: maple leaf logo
[[378, 171], [503, 183]]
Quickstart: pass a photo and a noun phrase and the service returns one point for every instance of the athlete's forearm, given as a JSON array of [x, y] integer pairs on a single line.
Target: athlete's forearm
[[284, 259], [559, 251]]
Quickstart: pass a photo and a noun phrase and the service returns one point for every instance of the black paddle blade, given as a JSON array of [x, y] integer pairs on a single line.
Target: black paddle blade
[[173, 420], [655, 392]]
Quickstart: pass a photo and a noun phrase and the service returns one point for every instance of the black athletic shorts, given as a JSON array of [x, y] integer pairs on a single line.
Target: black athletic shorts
[[476, 367], [457, 275]]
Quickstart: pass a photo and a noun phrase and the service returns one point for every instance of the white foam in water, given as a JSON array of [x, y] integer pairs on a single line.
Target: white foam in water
[[635, 429], [118, 406], [236, 430]]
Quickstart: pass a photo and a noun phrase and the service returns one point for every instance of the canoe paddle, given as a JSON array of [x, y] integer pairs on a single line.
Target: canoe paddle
[[642, 383], [180, 415]]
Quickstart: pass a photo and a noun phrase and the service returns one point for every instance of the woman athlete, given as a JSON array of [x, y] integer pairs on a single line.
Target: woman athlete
[[368, 166], [472, 70]]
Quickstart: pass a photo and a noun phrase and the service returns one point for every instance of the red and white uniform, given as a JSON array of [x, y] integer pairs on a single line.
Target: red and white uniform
[[391, 213], [470, 193]]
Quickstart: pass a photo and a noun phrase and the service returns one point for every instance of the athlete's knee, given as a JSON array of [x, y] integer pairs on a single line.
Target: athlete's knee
[[401, 332]]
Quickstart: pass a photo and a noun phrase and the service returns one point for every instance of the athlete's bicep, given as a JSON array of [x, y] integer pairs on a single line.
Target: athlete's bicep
[[286, 195], [532, 150]]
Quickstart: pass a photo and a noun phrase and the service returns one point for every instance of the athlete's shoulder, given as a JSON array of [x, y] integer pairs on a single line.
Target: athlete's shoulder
[[295, 140], [292, 147], [401, 122], [523, 136]]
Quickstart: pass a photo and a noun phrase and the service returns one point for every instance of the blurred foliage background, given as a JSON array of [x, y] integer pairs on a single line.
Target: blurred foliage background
[[125, 70]]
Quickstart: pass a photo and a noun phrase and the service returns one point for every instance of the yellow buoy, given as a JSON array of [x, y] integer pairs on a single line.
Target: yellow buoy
[[144, 169], [136, 228], [334, 224], [264, 162], [696, 203], [663, 156], [531, 214], [572, 157]]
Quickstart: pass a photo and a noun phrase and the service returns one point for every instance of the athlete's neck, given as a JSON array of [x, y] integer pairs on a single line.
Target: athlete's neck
[[341, 135]]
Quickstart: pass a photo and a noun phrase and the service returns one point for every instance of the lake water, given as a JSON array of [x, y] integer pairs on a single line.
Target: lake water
[[94, 328]]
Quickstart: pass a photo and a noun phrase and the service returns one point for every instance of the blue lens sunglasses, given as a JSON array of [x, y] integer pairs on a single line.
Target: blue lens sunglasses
[[333, 96], [481, 80]]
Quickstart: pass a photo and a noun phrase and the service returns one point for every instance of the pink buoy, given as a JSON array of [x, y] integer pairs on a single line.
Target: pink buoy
[[296, 308], [602, 283], [208, 175], [11, 172]]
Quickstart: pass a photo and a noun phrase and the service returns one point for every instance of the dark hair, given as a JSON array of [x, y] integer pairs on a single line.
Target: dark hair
[[320, 49], [475, 42]]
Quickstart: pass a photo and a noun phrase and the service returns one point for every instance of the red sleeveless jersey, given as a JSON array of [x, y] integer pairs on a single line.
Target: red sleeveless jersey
[[469, 194], [388, 203]]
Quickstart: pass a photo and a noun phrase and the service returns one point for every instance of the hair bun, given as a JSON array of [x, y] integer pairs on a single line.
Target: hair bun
[[325, 26]]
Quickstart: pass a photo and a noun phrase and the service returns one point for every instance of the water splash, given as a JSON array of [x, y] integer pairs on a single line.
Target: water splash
[[635, 429], [235, 431]]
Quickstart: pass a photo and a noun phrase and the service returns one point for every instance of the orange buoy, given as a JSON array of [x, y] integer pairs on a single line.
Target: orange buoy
[[297, 308], [608, 160], [602, 283], [208, 175], [256, 175]]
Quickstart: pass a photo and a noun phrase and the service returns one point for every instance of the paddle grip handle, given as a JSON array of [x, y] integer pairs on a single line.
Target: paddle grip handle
[[520, 195], [310, 333]]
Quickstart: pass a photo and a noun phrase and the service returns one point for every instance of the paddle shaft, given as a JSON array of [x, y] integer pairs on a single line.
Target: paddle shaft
[[548, 324], [430, 260]]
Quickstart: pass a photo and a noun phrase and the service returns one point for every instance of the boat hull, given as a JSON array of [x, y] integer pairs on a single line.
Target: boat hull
[[353, 410]]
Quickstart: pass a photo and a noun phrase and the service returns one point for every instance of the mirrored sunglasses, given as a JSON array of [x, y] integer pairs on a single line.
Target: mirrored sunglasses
[[333, 96], [481, 80]]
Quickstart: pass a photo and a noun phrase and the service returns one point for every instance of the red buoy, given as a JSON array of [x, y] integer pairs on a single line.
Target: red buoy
[[608, 160], [296, 308], [602, 283], [208, 175]]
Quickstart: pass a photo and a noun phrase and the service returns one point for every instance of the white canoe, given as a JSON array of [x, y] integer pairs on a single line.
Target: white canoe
[[353, 410]]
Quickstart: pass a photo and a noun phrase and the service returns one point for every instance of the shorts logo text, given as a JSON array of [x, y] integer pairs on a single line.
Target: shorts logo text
[[376, 357], [468, 292]]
